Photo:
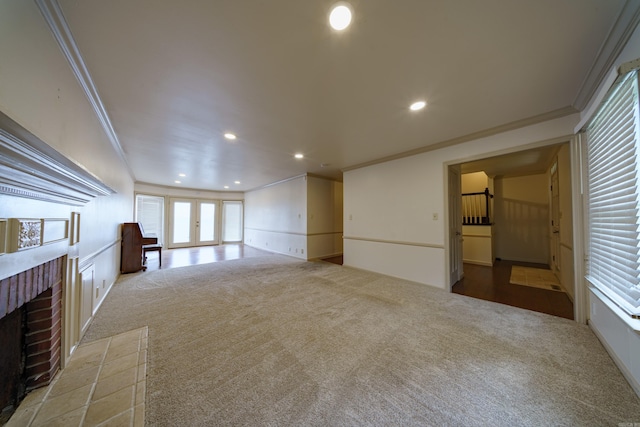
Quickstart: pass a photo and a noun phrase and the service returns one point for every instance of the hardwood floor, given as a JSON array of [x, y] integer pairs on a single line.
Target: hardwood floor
[[335, 259], [492, 284], [183, 257]]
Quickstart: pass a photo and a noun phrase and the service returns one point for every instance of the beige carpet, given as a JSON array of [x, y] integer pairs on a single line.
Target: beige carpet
[[535, 277], [275, 341]]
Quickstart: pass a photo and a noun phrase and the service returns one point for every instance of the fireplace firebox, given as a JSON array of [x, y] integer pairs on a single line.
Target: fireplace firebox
[[30, 330]]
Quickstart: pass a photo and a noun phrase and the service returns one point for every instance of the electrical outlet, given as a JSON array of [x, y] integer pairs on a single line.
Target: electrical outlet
[[435, 216], [350, 217]]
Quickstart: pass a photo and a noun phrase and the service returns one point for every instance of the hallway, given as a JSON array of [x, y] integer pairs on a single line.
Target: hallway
[[492, 284]]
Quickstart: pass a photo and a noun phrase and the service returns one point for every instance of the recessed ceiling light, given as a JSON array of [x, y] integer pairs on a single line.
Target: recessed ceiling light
[[418, 105], [236, 182], [340, 16], [178, 182], [230, 136], [299, 156], [226, 186], [182, 175]]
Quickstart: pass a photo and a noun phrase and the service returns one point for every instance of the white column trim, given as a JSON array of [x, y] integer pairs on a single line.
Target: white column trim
[[32, 169]]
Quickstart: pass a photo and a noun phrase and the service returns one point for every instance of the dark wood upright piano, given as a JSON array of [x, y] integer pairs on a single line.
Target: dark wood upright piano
[[133, 239]]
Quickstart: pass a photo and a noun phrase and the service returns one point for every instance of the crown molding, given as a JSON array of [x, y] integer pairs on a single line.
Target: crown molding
[[54, 17], [611, 48], [32, 169], [540, 118]]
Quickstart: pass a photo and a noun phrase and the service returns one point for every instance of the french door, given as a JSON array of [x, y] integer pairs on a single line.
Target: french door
[[193, 223]]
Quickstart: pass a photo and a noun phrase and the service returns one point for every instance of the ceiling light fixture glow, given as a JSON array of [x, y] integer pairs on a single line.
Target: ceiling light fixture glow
[[417, 106], [340, 16], [236, 182], [226, 186], [178, 182], [230, 136], [182, 175], [299, 156]]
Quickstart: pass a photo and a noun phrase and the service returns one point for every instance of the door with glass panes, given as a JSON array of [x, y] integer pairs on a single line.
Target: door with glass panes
[[193, 222]]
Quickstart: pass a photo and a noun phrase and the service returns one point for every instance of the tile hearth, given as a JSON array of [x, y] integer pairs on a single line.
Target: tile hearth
[[103, 384]]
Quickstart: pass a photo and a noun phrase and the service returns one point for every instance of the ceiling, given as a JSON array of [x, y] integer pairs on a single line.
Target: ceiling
[[526, 162], [175, 76]]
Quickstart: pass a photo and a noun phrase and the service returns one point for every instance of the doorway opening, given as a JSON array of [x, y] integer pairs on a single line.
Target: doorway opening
[[531, 227]]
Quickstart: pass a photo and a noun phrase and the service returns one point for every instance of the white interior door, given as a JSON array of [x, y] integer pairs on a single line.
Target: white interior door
[[455, 225], [192, 223], [555, 219]]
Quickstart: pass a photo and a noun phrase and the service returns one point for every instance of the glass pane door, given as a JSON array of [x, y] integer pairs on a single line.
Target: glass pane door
[[181, 223], [193, 223], [206, 223]]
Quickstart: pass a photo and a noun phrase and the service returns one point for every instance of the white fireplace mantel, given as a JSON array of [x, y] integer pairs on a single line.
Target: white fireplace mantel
[[31, 168]]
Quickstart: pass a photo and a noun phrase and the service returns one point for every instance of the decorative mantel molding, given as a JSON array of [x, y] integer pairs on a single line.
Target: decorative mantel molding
[[30, 168]]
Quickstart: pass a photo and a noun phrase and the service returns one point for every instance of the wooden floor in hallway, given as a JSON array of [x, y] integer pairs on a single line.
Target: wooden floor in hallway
[[492, 284]]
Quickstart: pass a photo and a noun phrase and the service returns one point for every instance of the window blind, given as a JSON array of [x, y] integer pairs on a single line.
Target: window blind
[[232, 218], [150, 213], [612, 197]]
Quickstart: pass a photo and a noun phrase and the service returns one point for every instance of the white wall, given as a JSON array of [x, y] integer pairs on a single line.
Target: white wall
[[275, 217], [299, 217], [522, 218], [474, 182], [392, 204], [39, 91], [477, 244], [619, 338]]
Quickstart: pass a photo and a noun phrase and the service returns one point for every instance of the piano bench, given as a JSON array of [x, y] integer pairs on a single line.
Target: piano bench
[[152, 248]]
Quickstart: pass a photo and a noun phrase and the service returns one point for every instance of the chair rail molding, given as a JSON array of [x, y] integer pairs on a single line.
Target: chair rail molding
[[30, 168]]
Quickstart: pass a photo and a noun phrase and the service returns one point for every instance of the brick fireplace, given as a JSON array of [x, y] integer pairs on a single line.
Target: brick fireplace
[[41, 191], [30, 325]]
